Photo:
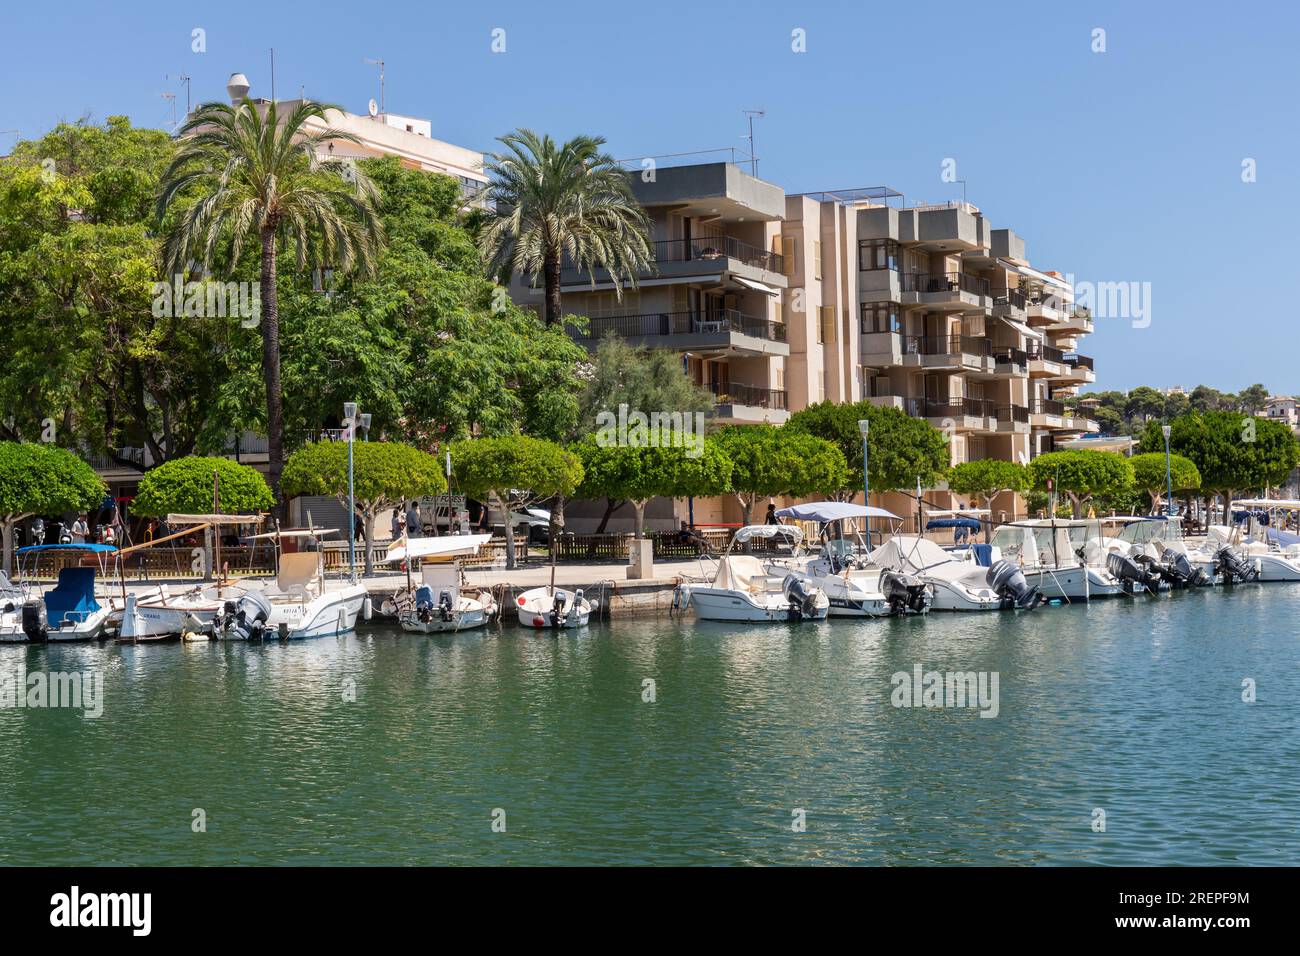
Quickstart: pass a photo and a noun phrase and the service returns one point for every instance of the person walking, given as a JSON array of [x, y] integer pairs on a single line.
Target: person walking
[[414, 524], [80, 529], [399, 523]]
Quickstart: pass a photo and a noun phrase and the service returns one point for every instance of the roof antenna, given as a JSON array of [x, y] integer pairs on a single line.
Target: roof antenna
[[380, 64], [272, 74], [753, 158]]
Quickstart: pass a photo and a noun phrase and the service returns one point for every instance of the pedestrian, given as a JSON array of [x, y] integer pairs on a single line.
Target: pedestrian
[[771, 515], [414, 525], [80, 529], [689, 535], [398, 523]]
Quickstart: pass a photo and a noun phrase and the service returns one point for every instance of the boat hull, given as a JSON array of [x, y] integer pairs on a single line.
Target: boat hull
[[721, 604], [536, 609]]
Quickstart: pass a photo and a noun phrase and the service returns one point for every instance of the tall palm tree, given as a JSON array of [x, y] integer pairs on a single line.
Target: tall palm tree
[[254, 175], [551, 201]]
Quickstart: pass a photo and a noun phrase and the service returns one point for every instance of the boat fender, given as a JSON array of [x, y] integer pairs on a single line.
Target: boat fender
[[367, 609]]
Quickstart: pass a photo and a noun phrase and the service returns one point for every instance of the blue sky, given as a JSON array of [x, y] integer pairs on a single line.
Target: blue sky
[[1122, 166]]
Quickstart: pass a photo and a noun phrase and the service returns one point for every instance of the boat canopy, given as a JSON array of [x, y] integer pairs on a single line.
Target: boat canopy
[[184, 519], [957, 512], [293, 533], [451, 546], [833, 511], [1284, 504], [72, 599], [767, 531], [971, 523], [87, 546]]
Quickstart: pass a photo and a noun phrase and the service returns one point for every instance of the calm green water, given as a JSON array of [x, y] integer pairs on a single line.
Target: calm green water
[[1131, 706]]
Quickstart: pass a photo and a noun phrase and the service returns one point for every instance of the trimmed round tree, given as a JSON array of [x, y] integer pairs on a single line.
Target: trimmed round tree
[[38, 479], [987, 478], [768, 461], [638, 474], [384, 474], [516, 469], [1149, 475], [1082, 475], [185, 486], [900, 448]]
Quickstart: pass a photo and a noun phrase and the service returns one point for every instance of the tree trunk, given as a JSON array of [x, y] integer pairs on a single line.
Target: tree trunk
[[510, 540], [368, 530], [611, 505], [551, 278], [270, 321], [746, 507]]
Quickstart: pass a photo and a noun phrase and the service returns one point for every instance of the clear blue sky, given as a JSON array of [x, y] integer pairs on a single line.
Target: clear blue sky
[[1123, 166]]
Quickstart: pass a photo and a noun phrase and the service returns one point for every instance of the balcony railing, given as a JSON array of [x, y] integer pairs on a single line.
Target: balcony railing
[[1008, 414], [1045, 353], [944, 282], [959, 408], [1012, 297], [1047, 406], [732, 393], [717, 247], [947, 345], [1079, 361], [1006, 355], [684, 323]]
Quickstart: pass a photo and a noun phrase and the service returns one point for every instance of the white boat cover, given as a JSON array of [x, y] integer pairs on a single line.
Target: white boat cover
[[833, 511], [451, 546], [740, 572]]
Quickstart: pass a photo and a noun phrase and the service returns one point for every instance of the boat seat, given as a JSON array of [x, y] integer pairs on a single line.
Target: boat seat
[[72, 600], [299, 573]]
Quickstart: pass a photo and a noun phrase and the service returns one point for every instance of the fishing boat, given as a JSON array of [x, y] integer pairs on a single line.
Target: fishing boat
[[69, 611], [843, 570], [11, 612], [958, 579], [744, 589], [299, 603], [1274, 551], [437, 602]]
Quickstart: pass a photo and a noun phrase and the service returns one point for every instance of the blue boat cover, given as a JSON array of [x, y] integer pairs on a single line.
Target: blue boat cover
[[93, 548], [74, 595], [971, 523], [983, 554]]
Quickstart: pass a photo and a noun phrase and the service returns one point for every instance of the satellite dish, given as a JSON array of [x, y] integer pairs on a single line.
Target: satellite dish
[[373, 107]]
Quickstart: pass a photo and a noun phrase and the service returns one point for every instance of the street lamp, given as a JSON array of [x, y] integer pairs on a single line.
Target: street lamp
[[350, 423], [1169, 480], [864, 426]]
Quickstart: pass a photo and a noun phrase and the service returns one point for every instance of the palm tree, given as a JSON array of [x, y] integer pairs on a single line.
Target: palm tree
[[551, 201], [254, 175]]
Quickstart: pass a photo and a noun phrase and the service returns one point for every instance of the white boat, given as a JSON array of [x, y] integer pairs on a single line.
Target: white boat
[[1158, 540], [842, 569], [298, 604], [958, 580], [1272, 549], [744, 590], [554, 608], [1049, 552], [69, 611], [438, 602], [11, 612]]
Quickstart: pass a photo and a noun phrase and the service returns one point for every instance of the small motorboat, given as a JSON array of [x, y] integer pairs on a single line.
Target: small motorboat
[[11, 612], [554, 607], [68, 611], [438, 601], [958, 579], [745, 590], [1274, 552]]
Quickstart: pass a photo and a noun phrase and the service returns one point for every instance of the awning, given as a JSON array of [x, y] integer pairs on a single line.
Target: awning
[[449, 546], [833, 511], [757, 286], [1024, 329]]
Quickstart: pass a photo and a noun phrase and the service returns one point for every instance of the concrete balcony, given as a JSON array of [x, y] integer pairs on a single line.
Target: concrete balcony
[[952, 352], [1046, 413], [1010, 304], [1010, 361], [1046, 361], [725, 331], [708, 258], [1047, 310], [1077, 369], [1077, 320], [945, 292], [748, 403], [1012, 419]]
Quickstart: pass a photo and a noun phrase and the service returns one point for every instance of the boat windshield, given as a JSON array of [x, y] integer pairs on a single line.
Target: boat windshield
[[1144, 532]]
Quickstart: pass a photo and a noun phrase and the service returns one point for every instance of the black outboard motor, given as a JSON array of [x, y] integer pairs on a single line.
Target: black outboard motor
[[1008, 582], [1130, 574], [558, 609], [1179, 572], [35, 623], [801, 595], [424, 604], [248, 621], [1153, 569], [1234, 567], [446, 608], [904, 592]]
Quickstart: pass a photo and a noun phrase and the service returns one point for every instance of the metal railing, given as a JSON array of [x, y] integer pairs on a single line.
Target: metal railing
[[684, 323], [959, 408], [1008, 414], [1009, 355], [1012, 297], [732, 393], [943, 282], [717, 247], [1047, 406], [1079, 361], [952, 344], [1046, 353]]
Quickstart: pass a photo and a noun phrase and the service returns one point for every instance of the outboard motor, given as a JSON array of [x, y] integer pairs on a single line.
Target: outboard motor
[[446, 607], [424, 604], [248, 622], [801, 595], [1153, 569], [1008, 582], [904, 592], [1128, 572], [36, 624], [1179, 571], [1234, 567], [558, 613]]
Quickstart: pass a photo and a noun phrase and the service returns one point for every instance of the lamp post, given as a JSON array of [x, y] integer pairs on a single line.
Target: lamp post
[[864, 426], [350, 423], [1169, 481]]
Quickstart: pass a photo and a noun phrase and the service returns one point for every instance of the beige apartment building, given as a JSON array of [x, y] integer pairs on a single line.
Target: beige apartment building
[[776, 302]]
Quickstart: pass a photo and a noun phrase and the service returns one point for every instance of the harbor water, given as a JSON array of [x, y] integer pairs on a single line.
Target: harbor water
[[1121, 737]]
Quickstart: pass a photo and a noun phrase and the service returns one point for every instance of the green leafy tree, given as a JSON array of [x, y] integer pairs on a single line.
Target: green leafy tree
[[517, 470], [1082, 475], [384, 474], [1144, 403], [252, 177], [768, 461], [988, 478], [901, 449], [187, 485], [638, 474], [552, 201], [1149, 475], [1252, 399], [644, 380], [39, 479]]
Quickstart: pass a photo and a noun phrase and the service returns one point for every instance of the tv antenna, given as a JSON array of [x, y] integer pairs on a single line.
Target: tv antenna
[[753, 157], [380, 64], [171, 98], [185, 79]]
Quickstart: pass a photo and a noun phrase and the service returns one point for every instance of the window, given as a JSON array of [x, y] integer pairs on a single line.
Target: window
[[817, 260], [826, 324], [881, 317], [877, 254]]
